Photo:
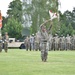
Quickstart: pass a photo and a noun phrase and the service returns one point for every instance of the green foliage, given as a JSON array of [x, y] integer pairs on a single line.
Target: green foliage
[[62, 29], [55, 27], [35, 12], [13, 22], [67, 23], [38, 10], [15, 10], [70, 29], [13, 27], [5, 19], [73, 18]]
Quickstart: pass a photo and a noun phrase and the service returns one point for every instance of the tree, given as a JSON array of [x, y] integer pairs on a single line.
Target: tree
[[15, 10], [66, 26], [39, 11], [13, 27], [13, 22], [73, 18], [4, 21], [67, 17], [70, 29]]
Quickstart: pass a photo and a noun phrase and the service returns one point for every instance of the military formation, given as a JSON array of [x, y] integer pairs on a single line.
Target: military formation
[[54, 42], [4, 42], [62, 42]]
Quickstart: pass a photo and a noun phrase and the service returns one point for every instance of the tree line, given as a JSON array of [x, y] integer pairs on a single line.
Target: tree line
[[30, 14]]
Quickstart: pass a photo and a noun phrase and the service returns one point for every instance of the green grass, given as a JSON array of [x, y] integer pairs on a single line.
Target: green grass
[[21, 62]]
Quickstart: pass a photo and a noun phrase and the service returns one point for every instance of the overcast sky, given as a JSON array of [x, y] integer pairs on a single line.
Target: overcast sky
[[4, 6], [65, 5]]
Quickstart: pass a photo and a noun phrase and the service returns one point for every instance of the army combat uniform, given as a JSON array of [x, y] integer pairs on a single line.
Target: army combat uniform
[[37, 41], [6, 40], [43, 44]]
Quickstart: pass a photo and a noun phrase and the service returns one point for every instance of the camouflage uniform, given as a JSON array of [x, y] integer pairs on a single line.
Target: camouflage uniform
[[26, 42], [53, 43], [37, 41], [73, 42], [32, 39], [68, 42], [61, 43], [56, 42], [43, 43], [50, 41], [6, 40]]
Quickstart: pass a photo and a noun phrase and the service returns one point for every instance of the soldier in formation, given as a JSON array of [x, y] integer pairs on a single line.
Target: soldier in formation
[[37, 41], [26, 42], [68, 42], [6, 40], [52, 43], [32, 42], [62, 43], [73, 42]]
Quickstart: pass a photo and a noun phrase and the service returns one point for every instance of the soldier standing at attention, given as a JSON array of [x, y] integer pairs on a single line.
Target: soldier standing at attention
[[32, 39], [43, 43], [6, 40], [26, 42], [37, 41]]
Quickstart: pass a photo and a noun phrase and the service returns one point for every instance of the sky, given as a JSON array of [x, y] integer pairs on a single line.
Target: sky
[[64, 5], [4, 6]]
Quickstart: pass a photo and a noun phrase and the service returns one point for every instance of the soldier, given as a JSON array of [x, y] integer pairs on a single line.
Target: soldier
[[6, 40], [53, 43], [26, 42], [37, 41], [43, 43], [68, 42], [62, 43], [56, 42], [73, 42], [32, 39], [1, 43], [50, 41]]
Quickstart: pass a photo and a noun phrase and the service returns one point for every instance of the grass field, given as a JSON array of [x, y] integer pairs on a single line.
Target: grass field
[[21, 62]]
